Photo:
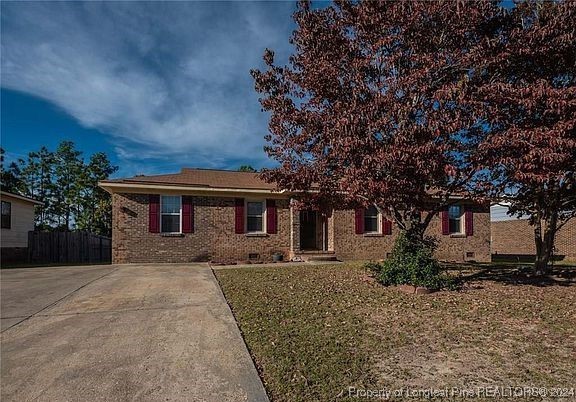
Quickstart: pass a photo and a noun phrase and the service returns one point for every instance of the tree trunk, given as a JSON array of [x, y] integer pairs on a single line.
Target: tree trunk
[[67, 218], [541, 266], [544, 244], [415, 233], [542, 251], [414, 224], [416, 228]]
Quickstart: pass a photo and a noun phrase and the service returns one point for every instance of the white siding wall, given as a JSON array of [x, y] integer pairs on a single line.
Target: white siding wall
[[22, 223]]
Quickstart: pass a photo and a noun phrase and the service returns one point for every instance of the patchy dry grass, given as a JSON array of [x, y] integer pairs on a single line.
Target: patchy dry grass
[[315, 330]]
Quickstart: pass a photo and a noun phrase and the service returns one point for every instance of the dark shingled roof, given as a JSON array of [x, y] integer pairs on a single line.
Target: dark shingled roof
[[203, 178]]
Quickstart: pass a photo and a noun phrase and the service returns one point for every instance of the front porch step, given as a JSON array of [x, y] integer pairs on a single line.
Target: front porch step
[[316, 255], [321, 258]]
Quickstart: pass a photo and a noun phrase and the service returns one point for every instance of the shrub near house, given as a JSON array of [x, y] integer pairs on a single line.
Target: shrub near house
[[199, 215], [412, 264]]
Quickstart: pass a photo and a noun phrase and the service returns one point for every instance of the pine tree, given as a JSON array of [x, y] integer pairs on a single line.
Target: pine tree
[[10, 178], [95, 203], [67, 187]]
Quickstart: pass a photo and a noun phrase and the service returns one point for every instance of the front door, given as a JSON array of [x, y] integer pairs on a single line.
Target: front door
[[308, 230]]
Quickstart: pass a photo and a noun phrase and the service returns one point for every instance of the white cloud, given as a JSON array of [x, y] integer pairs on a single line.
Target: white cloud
[[166, 80]]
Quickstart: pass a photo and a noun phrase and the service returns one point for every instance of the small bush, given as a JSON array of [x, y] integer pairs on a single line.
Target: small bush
[[412, 263]]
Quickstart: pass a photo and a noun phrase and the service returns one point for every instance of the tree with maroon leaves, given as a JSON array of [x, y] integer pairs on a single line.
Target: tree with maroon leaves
[[529, 104], [369, 109]]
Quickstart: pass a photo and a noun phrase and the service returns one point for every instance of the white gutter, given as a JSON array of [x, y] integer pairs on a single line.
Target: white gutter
[[21, 197]]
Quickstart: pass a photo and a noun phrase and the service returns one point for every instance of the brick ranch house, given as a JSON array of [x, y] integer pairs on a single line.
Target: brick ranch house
[[513, 237], [202, 215]]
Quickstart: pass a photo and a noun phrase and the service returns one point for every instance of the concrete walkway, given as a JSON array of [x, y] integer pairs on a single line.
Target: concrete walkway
[[116, 333]]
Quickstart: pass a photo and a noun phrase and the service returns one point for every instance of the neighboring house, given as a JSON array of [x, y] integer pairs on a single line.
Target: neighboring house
[[17, 221], [200, 215], [514, 237]]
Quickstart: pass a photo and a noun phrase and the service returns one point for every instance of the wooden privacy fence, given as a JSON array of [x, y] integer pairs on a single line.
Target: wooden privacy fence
[[68, 248]]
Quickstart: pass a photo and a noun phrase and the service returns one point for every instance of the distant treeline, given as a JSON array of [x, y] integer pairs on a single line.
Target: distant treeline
[[67, 186]]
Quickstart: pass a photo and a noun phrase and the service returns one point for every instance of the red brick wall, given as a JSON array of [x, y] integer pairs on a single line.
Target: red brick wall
[[214, 237], [517, 237], [351, 246]]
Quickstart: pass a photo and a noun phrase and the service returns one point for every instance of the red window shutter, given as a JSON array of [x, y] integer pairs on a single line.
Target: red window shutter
[[386, 226], [271, 217], [359, 220], [187, 214], [239, 210], [469, 222], [445, 222], [154, 213]]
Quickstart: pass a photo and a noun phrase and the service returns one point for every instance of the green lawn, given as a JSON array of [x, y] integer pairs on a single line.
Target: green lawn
[[316, 330]]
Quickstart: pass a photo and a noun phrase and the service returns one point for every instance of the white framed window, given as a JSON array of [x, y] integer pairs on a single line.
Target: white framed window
[[171, 214], [455, 219], [372, 220], [255, 216]]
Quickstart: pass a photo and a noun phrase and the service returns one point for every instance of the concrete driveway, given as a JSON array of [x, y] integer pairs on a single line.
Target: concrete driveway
[[115, 333]]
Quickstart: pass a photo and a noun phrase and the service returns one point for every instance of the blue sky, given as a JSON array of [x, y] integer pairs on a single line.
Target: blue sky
[[156, 86]]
